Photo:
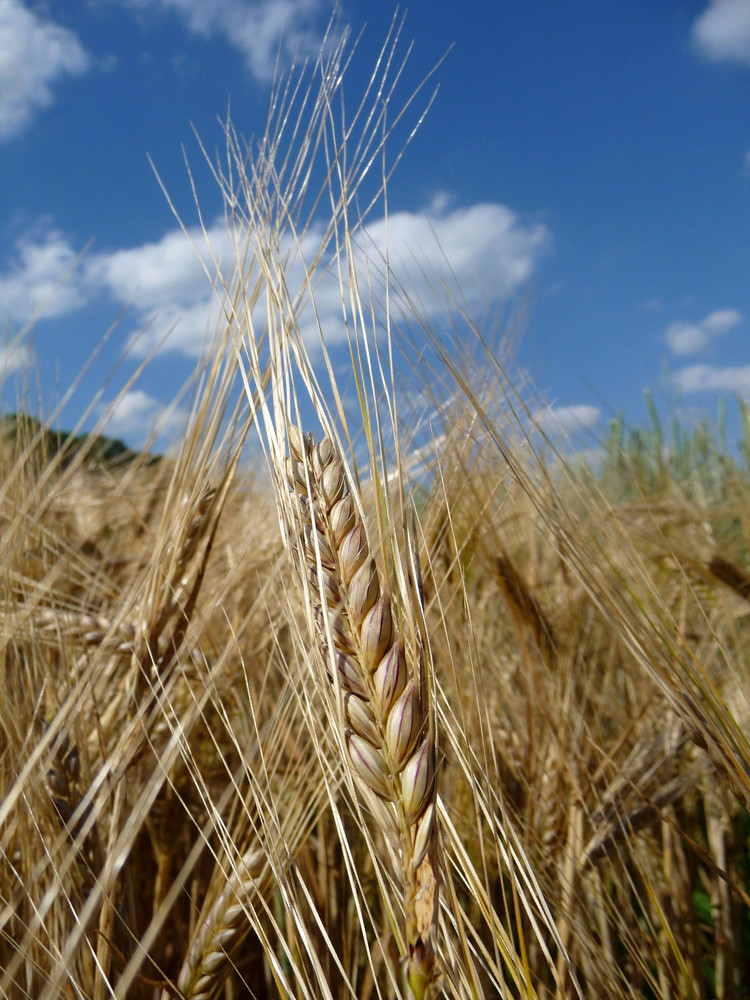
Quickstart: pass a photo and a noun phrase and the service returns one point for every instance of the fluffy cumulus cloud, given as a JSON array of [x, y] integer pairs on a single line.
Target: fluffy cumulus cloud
[[168, 270], [168, 285], [476, 255], [260, 29], [567, 419], [164, 285], [34, 55], [485, 251], [691, 338], [482, 252], [709, 378], [722, 31]]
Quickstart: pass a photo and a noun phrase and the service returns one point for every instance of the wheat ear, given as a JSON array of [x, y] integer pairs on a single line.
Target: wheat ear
[[389, 746], [201, 973]]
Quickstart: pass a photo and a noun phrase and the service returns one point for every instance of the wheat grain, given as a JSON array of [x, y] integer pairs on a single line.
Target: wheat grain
[[389, 745]]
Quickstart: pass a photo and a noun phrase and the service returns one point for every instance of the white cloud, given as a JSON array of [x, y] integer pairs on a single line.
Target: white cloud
[[41, 279], [137, 416], [567, 419], [721, 321], [164, 284], [707, 378], [171, 270], [167, 286], [260, 30], [484, 251], [722, 31], [176, 327], [478, 254], [690, 338], [34, 54], [15, 357]]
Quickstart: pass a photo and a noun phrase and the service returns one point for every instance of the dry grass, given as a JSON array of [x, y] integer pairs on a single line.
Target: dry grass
[[367, 726]]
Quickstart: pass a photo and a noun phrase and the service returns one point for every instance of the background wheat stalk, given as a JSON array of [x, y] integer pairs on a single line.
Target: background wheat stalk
[[387, 738]]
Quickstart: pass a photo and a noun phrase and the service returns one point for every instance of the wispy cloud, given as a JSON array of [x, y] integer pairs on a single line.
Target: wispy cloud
[[653, 305], [709, 378], [34, 55], [722, 31], [15, 357], [485, 250], [138, 416], [567, 419], [42, 277], [690, 338], [262, 30]]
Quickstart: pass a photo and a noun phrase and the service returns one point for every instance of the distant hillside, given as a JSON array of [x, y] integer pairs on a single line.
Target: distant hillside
[[100, 450]]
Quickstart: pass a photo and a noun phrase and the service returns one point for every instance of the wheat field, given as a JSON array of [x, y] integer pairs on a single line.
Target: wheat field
[[394, 706]]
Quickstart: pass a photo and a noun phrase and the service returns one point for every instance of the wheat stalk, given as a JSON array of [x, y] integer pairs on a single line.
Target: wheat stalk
[[387, 734]]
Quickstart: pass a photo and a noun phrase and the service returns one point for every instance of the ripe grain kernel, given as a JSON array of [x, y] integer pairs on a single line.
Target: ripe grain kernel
[[352, 552], [389, 680], [349, 675], [404, 726], [342, 518], [332, 483], [360, 718], [323, 454], [416, 781], [424, 833], [369, 765], [296, 442], [364, 591], [376, 632]]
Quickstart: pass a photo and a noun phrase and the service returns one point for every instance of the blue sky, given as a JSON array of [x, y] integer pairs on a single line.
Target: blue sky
[[589, 161]]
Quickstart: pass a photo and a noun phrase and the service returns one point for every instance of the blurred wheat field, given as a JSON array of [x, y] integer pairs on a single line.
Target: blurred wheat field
[[206, 791]]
